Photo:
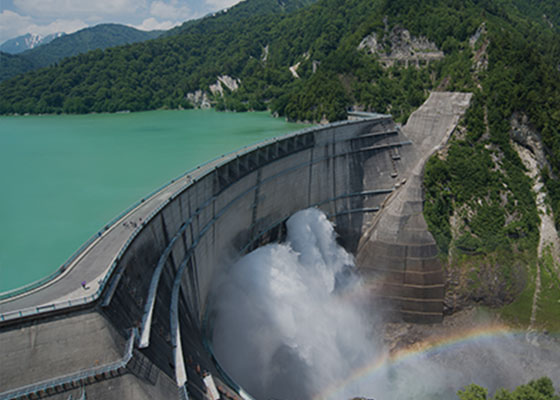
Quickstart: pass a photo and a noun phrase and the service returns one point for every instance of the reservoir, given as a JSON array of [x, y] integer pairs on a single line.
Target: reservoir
[[64, 177]]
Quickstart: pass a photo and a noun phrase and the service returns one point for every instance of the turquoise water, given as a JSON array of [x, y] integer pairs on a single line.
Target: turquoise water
[[63, 177]]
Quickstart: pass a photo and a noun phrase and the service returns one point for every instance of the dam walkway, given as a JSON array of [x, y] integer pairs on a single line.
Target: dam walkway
[[94, 262]]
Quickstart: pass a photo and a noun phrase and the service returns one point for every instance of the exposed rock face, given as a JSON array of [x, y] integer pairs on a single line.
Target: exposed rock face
[[481, 281], [403, 47], [370, 44], [479, 32], [304, 57], [529, 146], [199, 99], [524, 134], [225, 81], [315, 65], [479, 44], [264, 55], [293, 70]]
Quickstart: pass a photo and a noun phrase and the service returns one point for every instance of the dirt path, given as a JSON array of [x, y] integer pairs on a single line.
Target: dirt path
[[535, 299]]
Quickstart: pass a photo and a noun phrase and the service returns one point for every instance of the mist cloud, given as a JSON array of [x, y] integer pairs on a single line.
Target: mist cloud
[[13, 24], [284, 326], [289, 322]]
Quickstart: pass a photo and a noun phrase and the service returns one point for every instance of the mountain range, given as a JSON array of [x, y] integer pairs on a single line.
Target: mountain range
[[44, 52], [27, 42]]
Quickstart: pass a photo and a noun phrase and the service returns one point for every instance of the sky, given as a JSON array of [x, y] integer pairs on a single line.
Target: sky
[[18, 17]]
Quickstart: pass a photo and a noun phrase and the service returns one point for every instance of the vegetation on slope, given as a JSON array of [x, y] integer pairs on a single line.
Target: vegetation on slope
[[160, 73], [12, 65], [243, 10], [479, 201], [541, 389]]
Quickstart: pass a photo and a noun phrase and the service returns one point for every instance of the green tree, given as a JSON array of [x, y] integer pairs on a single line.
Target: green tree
[[473, 392], [540, 389]]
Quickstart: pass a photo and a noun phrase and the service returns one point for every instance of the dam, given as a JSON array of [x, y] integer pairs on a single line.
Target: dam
[[127, 317]]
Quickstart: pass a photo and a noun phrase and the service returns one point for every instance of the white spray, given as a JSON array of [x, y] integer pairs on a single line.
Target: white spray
[[288, 324], [284, 326]]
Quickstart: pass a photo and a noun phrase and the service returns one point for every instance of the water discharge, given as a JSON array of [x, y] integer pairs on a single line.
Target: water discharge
[[284, 325], [290, 321]]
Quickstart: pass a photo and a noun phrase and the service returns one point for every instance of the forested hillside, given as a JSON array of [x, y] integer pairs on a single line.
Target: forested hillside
[[97, 37], [12, 65], [258, 40], [243, 10], [314, 61]]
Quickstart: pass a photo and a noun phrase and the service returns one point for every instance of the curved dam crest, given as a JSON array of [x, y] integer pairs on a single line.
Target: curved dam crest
[[153, 272]]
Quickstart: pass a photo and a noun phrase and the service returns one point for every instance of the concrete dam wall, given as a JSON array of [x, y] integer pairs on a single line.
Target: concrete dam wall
[[167, 273], [151, 310]]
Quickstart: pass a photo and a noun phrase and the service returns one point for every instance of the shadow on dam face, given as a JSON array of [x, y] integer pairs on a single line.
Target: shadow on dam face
[[157, 295]]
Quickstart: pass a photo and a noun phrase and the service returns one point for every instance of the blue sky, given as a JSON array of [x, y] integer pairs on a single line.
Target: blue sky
[[18, 17]]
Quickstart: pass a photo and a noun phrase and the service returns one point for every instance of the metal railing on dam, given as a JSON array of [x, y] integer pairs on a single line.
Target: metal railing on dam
[[159, 276]]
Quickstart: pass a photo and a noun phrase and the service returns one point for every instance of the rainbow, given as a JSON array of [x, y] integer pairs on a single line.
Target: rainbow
[[430, 345]]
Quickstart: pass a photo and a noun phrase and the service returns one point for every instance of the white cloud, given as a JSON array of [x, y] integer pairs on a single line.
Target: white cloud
[[48, 16], [79, 8], [12, 25], [170, 10], [151, 23], [221, 4], [59, 25]]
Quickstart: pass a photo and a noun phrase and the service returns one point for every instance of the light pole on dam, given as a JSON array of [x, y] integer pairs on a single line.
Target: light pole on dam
[[141, 333]]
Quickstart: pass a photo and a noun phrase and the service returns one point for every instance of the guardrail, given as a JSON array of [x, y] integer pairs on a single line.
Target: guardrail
[[26, 312], [223, 159], [63, 267]]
